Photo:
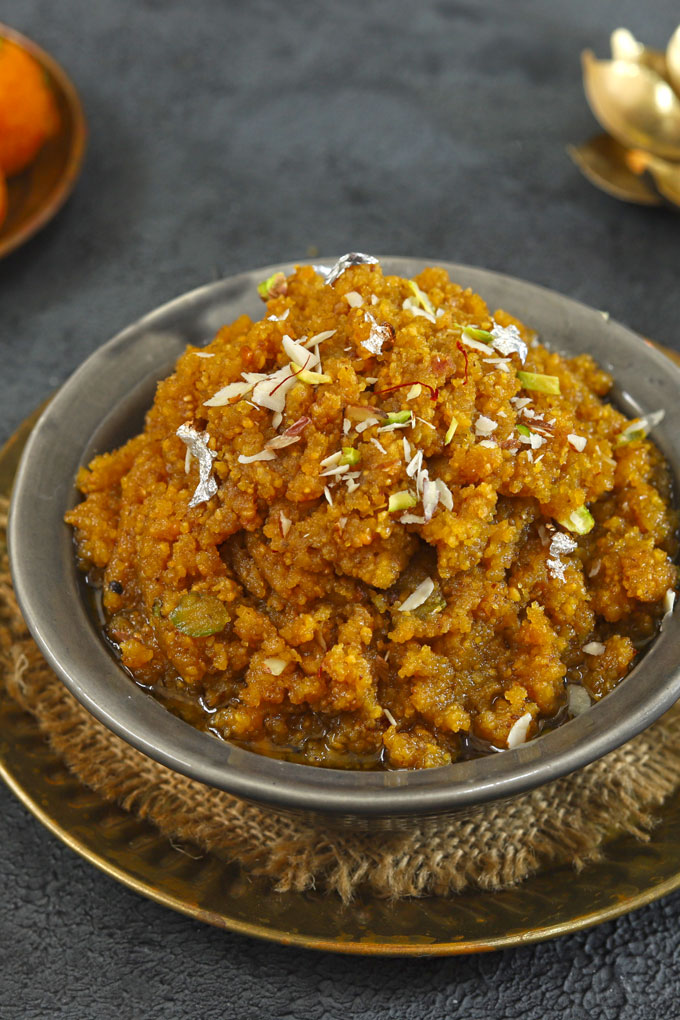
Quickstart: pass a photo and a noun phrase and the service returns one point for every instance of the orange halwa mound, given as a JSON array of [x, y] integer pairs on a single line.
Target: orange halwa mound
[[370, 558]]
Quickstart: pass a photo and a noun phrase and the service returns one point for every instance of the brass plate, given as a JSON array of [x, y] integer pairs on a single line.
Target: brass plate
[[39, 191], [603, 161], [209, 888]]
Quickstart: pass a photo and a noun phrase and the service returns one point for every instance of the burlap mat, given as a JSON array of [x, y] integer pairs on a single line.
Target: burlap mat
[[491, 847]]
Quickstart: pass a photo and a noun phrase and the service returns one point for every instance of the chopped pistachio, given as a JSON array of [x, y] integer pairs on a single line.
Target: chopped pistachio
[[312, 378], [350, 455], [475, 333], [403, 500], [524, 430], [630, 435], [540, 383], [421, 297], [579, 521], [434, 603], [398, 417], [640, 428], [199, 614], [273, 286], [450, 432]]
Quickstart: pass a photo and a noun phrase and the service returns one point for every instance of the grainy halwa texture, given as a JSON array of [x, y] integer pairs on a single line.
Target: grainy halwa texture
[[273, 611]]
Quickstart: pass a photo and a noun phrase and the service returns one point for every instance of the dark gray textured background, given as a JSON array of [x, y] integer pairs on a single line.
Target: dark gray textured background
[[226, 136]]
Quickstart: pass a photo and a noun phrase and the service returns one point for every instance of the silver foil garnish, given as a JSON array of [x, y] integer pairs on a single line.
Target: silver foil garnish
[[506, 340], [560, 545], [197, 445], [353, 258], [378, 335], [556, 568]]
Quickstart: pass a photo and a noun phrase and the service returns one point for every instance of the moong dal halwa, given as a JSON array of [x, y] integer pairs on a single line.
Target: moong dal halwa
[[379, 527]]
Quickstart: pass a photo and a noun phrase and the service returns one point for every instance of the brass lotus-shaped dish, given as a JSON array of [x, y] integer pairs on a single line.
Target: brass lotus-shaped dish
[[636, 98], [634, 104], [673, 60]]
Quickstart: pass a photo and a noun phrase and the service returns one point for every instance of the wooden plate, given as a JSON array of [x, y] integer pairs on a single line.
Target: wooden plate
[[39, 191], [209, 888]]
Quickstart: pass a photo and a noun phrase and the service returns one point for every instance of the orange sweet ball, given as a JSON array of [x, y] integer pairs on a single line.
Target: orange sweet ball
[[28, 112]]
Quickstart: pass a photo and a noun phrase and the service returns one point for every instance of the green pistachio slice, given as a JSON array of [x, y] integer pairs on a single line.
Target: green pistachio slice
[[398, 417], [478, 334], [434, 603], [450, 432], [422, 298], [274, 286], [403, 500], [311, 378], [579, 521], [349, 456], [540, 383], [199, 614], [640, 428]]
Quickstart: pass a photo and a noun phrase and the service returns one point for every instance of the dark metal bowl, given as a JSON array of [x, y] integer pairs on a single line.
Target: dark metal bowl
[[103, 403]]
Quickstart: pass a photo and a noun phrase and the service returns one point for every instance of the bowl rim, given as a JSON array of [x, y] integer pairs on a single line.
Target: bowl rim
[[150, 728], [76, 150]]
